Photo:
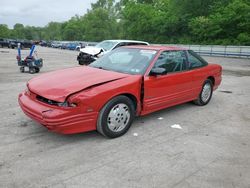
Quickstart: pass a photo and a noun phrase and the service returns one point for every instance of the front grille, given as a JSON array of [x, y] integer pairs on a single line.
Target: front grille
[[47, 101]]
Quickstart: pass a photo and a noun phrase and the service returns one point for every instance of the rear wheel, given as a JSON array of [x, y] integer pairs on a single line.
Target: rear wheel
[[116, 117], [32, 70], [37, 70], [205, 94]]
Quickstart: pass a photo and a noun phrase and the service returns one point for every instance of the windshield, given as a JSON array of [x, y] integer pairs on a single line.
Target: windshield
[[126, 60], [106, 45]]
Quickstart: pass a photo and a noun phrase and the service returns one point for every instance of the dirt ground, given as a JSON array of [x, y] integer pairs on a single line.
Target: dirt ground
[[211, 150]]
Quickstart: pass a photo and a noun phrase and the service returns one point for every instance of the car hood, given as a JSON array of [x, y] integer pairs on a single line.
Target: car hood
[[92, 50], [57, 85]]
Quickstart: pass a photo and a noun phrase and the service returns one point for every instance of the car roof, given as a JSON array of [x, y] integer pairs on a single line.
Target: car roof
[[156, 47], [120, 40]]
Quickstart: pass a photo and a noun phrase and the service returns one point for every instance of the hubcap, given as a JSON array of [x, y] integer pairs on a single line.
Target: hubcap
[[206, 92], [118, 117]]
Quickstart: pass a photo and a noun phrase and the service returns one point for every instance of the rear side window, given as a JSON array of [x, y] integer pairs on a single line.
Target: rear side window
[[129, 44], [172, 61], [194, 60], [135, 43], [120, 44]]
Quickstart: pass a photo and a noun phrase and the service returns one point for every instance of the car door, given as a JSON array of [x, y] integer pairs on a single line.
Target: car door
[[197, 66], [172, 88]]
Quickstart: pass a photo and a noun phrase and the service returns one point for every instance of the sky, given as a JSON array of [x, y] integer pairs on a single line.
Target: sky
[[40, 12]]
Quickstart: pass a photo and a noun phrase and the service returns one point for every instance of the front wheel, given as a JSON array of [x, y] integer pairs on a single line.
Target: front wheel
[[116, 117], [22, 69], [205, 94]]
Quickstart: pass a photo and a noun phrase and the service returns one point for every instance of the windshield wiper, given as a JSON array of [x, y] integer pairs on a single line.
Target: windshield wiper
[[100, 67]]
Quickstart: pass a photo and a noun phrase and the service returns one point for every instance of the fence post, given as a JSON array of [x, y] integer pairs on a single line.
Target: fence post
[[240, 50]]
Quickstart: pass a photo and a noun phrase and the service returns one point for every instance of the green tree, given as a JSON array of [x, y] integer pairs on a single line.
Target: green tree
[[99, 25], [105, 4], [72, 30], [19, 31], [4, 31], [225, 25], [156, 21], [52, 31]]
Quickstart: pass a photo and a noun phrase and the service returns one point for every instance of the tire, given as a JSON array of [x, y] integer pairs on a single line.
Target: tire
[[116, 117], [32, 70], [205, 94], [37, 70], [22, 69]]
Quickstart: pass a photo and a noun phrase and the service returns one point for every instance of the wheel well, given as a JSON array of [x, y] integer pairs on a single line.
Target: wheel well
[[132, 98], [212, 79]]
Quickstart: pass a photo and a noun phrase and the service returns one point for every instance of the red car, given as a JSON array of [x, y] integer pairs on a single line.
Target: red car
[[127, 82]]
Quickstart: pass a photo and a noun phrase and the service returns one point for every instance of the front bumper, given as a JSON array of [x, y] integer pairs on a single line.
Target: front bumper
[[57, 119]]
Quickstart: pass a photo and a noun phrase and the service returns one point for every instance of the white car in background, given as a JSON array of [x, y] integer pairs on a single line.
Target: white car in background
[[90, 53]]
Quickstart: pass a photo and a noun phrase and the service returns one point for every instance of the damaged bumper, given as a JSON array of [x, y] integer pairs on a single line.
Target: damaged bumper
[[61, 120]]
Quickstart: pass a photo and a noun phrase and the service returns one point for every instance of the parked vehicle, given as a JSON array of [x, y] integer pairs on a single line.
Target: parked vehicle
[[127, 82], [43, 43], [90, 53], [56, 45], [13, 43], [4, 43], [26, 43], [49, 44], [81, 45], [72, 45], [63, 45]]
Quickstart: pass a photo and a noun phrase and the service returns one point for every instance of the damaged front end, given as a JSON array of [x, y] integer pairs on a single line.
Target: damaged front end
[[85, 59], [88, 55]]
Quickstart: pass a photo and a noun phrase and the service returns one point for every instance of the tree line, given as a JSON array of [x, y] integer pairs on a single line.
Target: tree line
[[225, 22]]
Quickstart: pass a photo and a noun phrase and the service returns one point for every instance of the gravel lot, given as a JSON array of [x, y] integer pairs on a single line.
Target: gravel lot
[[211, 150]]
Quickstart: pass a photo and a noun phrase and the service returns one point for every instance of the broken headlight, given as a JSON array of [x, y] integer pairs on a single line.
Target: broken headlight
[[66, 104]]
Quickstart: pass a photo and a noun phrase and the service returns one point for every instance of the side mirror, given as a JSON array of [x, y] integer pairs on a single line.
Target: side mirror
[[157, 71]]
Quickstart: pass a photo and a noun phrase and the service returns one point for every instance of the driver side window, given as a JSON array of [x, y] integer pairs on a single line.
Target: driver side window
[[172, 61]]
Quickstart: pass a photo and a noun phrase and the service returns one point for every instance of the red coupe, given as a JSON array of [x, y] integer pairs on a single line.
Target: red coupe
[[127, 82]]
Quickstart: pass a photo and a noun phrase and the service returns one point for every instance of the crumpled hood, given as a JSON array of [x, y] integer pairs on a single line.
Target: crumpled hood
[[57, 85], [92, 50]]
